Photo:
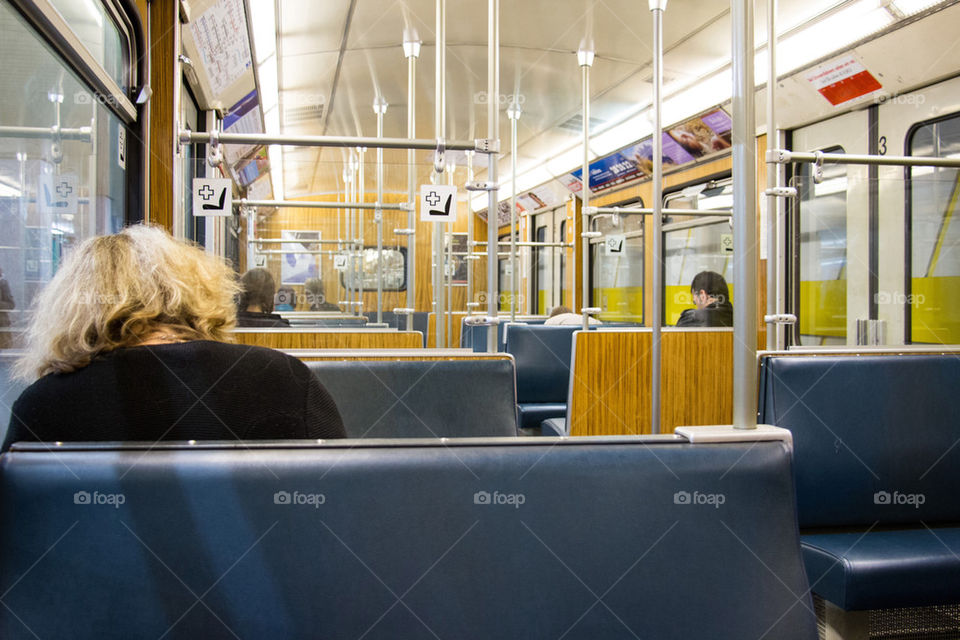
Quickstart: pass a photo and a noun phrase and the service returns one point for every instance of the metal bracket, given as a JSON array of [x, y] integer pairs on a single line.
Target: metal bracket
[[487, 145], [781, 192], [818, 167], [778, 156], [472, 304], [408, 206], [479, 185], [404, 311], [404, 232], [780, 318], [482, 321], [591, 311], [438, 160], [591, 234], [214, 152], [589, 210]]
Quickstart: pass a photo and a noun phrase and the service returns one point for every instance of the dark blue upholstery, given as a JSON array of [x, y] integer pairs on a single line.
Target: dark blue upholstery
[[542, 354], [9, 391], [475, 336], [399, 322], [422, 398], [876, 454], [234, 542]]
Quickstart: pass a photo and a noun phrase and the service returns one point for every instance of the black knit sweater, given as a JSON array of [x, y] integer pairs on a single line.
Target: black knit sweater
[[199, 390]]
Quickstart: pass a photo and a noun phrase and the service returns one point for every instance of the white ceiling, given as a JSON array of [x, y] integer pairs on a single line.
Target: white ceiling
[[342, 54]]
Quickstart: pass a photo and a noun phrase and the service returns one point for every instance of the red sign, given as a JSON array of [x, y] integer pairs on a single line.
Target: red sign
[[842, 80]]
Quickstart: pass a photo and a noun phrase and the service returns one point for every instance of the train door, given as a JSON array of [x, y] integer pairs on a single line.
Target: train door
[[830, 235], [546, 284], [616, 266], [918, 296], [692, 244], [505, 283]]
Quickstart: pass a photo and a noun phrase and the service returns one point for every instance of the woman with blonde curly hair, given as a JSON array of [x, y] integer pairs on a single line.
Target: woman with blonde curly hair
[[128, 343]]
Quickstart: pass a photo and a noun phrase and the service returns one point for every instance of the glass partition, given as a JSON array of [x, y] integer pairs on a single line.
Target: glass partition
[[934, 236], [617, 268], [822, 212], [692, 244]]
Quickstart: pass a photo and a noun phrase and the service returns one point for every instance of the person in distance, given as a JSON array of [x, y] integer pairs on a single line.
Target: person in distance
[[712, 298], [129, 343]]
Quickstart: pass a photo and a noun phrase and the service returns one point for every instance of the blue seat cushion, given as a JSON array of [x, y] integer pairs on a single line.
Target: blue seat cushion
[[531, 414], [884, 569]]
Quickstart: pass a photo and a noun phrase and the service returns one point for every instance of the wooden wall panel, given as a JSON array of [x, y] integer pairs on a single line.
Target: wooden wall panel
[[611, 381], [365, 339], [414, 354], [163, 65]]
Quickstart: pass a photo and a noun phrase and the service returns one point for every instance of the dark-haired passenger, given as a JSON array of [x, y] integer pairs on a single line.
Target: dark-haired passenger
[[712, 298], [255, 308]]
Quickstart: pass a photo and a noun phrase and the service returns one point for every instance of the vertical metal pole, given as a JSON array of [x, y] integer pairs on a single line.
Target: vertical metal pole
[[585, 57], [440, 122], [412, 51], [447, 276], [362, 197], [514, 114], [773, 178], [381, 108], [493, 132], [744, 219], [657, 8], [469, 257]]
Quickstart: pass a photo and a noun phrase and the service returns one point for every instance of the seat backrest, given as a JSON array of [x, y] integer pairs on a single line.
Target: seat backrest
[[587, 539], [422, 398], [542, 354], [876, 436], [10, 390]]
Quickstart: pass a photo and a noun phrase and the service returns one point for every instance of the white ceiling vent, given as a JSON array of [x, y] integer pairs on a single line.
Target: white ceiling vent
[[302, 114], [575, 124]]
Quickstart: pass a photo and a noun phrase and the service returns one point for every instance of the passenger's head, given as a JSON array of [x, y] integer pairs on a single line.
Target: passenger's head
[[120, 290], [709, 287], [257, 291], [560, 309], [313, 288]]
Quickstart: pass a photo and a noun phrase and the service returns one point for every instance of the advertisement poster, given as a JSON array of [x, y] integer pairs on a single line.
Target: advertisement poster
[[243, 117], [704, 135], [248, 171], [297, 268], [609, 171]]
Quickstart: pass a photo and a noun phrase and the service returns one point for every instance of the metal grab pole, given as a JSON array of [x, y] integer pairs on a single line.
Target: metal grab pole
[[470, 216], [380, 107], [309, 204], [657, 8], [514, 114], [440, 126], [744, 219], [774, 329], [585, 58], [784, 156], [411, 49], [362, 195], [328, 141], [493, 132]]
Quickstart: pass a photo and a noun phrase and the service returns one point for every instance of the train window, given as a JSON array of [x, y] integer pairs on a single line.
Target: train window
[[934, 236], [822, 211], [563, 263], [617, 268], [541, 273], [63, 165], [100, 34], [394, 270], [504, 269], [692, 244]]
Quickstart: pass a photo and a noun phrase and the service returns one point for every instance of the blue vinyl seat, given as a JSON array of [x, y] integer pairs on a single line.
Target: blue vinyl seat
[[422, 398], [877, 470], [542, 354], [525, 538]]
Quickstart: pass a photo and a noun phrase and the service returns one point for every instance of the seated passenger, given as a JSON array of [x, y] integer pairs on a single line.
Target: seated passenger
[[712, 298], [565, 315], [256, 301], [128, 344], [316, 297]]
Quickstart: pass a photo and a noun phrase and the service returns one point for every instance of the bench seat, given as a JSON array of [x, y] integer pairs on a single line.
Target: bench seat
[[884, 569]]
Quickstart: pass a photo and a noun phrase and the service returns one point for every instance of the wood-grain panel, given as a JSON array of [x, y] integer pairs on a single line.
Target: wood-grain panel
[[164, 17], [331, 339], [413, 354], [612, 373]]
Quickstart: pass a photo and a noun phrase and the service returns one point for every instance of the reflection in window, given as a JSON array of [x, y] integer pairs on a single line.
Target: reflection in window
[[394, 270], [935, 237], [823, 255], [693, 244], [53, 192], [89, 21]]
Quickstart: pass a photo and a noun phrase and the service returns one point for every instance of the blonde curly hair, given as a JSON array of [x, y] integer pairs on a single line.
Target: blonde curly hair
[[115, 291]]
